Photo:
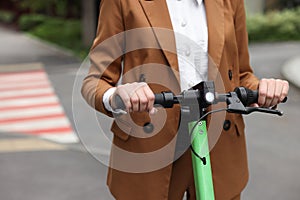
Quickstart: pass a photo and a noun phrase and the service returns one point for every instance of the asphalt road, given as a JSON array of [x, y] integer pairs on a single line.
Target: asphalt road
[[273, 142], [72, 173]]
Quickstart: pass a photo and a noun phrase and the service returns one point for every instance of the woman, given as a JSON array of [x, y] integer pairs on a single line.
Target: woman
[[145, 41]]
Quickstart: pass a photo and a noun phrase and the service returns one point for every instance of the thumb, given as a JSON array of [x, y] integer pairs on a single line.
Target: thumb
[[254, 105]]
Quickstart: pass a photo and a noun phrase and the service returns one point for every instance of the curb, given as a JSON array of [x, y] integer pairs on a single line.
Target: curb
[[49, 45], [291, 71]]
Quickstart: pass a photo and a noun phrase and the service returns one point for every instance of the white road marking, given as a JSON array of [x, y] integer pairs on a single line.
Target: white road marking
[[28, 101], [30, 112], [28, 105], [15, 94]]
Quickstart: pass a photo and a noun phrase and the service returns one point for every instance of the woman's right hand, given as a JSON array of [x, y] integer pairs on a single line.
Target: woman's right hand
[[137, 97]]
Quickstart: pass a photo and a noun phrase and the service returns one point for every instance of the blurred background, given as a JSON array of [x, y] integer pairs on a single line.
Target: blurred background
[[77, 20], [42, 52]]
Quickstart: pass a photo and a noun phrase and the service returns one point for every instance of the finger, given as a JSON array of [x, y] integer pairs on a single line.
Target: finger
[[143, 100], [285, 90], [150, 96], [254, 105], [277, 92], [270, 92], [263, 87], [135, 102], [133, 87]]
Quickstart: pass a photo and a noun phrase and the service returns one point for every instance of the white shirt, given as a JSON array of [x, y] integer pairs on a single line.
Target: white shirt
[[188, 19], [189, 24]]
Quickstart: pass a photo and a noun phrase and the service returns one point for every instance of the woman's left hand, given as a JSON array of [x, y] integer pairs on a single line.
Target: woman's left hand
[[272, 92]]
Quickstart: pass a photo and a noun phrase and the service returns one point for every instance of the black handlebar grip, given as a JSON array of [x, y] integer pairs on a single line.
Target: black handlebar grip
[[165, 99], [248, 96], [284, 100], [159, 99]]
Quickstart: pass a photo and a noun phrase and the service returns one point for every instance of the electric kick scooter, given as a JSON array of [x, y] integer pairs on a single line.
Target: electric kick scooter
[[194, 105]]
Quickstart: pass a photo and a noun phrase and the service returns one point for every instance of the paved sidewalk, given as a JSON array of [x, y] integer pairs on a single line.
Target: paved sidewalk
[[33, 168]]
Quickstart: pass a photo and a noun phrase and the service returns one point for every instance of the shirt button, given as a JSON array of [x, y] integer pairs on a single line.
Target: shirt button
[[191, 84], [187, 53], [230, 74], [183, 23]]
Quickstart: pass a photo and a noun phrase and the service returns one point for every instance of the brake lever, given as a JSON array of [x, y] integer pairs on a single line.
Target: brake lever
[[264, 110], [249, 110]]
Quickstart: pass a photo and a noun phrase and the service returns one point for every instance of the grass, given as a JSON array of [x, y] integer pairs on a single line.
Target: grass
[[275, 26], [62, 32], [6, 16]]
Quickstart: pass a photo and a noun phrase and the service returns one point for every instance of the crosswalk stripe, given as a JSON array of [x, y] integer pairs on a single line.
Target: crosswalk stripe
[[21, 86], [46, 94], [26, 92], [21, 79], [28, 101], [41, 106], [33, 125], [18, 77], [30, 112], [13, 74], [29, 105], [23, 119], [57, 130]]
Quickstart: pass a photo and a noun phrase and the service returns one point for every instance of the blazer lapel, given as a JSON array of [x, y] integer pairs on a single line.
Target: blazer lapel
[[216, 29], [158, 16]]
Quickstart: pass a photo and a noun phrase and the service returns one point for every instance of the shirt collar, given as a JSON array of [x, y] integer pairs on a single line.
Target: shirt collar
[[199, 2]]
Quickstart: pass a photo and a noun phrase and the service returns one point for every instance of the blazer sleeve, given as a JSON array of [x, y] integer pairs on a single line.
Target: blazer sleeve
[[105, 55], [247, 78]]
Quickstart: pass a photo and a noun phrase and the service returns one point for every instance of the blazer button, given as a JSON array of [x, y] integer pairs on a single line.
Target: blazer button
[[148, 127], [230, 74], [226, 125]]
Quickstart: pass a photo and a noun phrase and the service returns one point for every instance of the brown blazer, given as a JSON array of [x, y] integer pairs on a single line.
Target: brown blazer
[[140, 167]]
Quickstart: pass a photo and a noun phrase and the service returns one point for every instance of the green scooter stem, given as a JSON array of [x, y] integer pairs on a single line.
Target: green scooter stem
[[201, 165]]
